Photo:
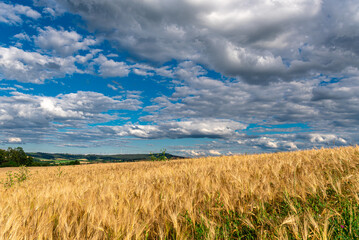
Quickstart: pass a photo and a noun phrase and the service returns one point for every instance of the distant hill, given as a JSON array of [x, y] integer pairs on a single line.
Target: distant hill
[[92, 158]]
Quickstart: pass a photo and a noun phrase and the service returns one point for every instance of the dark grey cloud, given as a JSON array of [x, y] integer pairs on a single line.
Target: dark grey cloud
[[258, 41]]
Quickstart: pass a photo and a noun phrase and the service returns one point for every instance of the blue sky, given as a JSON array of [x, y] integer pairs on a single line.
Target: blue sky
[[193, 77]]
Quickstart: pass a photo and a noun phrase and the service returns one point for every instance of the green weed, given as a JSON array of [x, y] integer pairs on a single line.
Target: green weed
[[17, 177]]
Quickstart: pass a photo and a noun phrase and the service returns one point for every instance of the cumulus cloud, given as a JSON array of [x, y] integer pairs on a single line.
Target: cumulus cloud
[[70, 118], [258, 41], [12, 14], [293, 141], [52, 7], [326, 138], [192, 128], [112, 87], [323, 105], [192, 153], [7, 89], [62, 42], [23, 66], [111, 68], [198, 153], [22, 36], [24, 111], [244, 143], [326, 105], [270, 143], [214, 152], [14, 140]]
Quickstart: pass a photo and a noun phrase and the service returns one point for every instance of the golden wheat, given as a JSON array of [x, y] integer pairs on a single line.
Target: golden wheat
[[159, 200]]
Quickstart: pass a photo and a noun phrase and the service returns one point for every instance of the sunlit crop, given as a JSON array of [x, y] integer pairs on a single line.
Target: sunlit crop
[[290, 195]]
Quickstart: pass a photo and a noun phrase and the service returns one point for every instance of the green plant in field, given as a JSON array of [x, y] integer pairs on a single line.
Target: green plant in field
[[9, 181], [159, 156], [59, 171], [20, 176]]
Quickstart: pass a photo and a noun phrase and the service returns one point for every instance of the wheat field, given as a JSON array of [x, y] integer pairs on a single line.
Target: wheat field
[[309, 194]]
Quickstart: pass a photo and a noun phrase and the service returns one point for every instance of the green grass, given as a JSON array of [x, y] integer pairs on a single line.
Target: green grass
[[341, 214]]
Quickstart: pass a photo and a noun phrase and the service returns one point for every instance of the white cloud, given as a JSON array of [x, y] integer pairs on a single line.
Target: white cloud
[[199, 153], [7, 89], [193, 153], [17, 64], [29, 111], [142, 72], [326, 138], [62, 42], [268, 142], [111, 68], [290, 145], [50, 11], [191, 128], [214, 152], [112, 87], [22, 36], [14, 140], [53, 7], [11, 14]]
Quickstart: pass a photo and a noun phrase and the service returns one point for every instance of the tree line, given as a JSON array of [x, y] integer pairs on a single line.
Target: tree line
[[14, 157]]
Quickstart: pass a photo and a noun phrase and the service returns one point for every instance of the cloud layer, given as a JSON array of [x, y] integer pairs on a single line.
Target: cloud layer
[[222, 76], [258, 41]]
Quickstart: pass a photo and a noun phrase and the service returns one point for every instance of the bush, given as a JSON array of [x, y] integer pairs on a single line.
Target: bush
[[75, 162], [159, 156], [9, 164]]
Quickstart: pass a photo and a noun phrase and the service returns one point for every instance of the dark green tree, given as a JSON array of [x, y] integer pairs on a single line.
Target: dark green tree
[[18, 156], [2, 156]]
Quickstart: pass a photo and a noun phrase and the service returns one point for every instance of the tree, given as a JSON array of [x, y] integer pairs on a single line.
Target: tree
[[18, 156], [2, 156], [29, 161]]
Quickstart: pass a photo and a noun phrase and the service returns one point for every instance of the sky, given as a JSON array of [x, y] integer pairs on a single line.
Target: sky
[[194, 77]]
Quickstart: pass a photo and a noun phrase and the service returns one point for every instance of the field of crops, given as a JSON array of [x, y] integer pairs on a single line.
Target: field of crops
[[290, 195]]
